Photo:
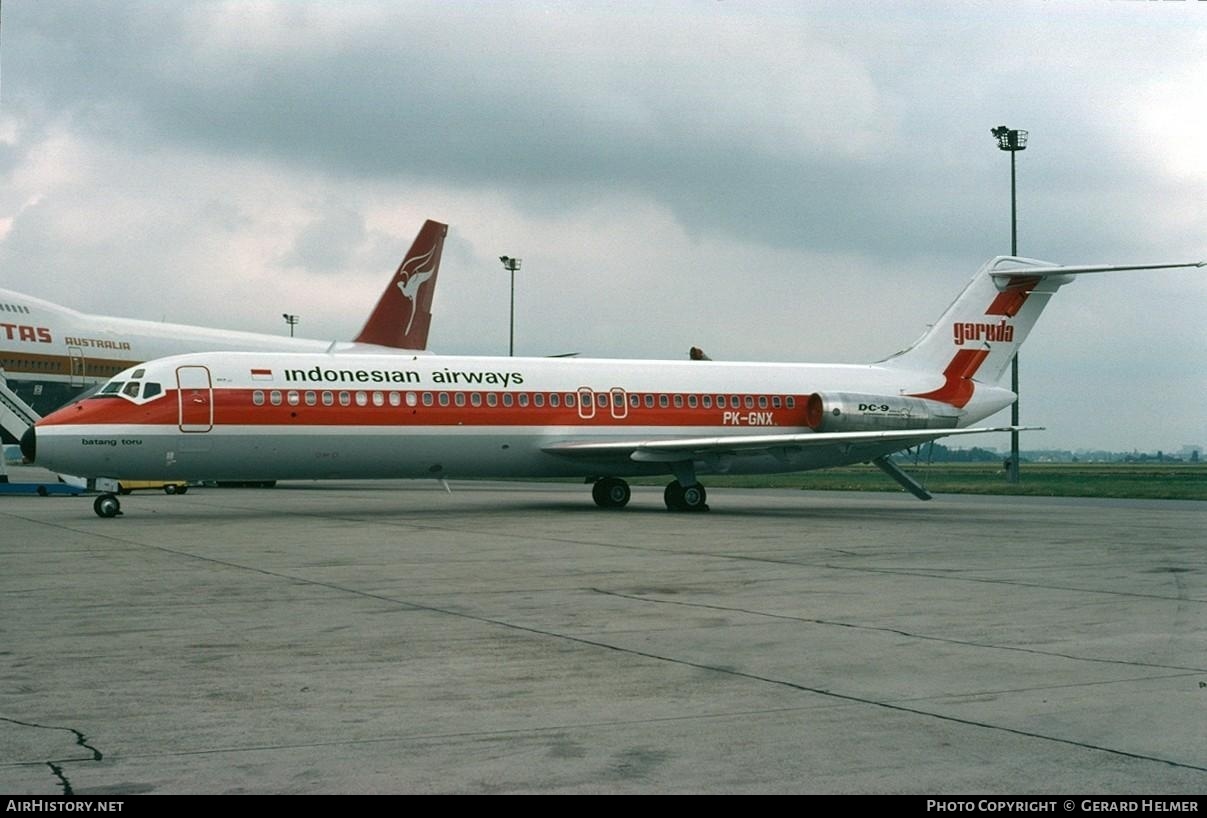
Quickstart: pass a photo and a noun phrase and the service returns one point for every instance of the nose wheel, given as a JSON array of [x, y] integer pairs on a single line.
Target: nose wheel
[[107, 506]]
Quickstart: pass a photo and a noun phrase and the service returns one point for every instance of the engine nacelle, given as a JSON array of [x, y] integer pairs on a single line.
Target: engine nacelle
[[853, 412]]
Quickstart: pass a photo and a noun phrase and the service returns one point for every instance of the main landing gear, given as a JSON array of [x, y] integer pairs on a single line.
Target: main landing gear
[[612, 492], [685, 498], [107, 506]]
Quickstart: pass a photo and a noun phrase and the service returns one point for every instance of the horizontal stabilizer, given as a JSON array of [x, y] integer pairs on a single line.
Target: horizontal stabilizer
[[1057, 270]]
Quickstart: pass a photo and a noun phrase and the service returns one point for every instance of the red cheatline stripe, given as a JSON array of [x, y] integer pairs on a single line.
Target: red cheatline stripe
[[958, 387], [1010, 300], [238, 407]]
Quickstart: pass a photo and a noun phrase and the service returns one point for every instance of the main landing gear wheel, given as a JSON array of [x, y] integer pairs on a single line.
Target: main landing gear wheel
[[610, 492], [691, 498], [107, 505]]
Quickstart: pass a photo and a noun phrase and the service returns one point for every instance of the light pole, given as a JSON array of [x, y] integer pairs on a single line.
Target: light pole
[[511, 264], [291, 320], [1012, 141]]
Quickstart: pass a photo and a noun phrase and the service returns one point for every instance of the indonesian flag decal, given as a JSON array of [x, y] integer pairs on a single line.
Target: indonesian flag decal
[[261, 374]]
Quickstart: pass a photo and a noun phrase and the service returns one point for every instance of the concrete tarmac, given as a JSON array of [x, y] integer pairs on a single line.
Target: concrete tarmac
[[510, 637]]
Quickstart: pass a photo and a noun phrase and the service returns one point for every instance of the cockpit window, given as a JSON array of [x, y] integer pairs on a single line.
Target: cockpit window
[[133, 390], [138, 373]]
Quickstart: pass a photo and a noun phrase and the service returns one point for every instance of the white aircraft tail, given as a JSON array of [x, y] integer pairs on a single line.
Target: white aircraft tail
[[981, 331]]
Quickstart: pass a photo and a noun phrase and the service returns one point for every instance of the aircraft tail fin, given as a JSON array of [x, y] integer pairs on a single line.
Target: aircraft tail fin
[[403, 314], [984, 327]]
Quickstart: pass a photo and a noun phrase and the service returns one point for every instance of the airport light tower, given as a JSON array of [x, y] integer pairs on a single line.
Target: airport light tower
[[511, 264], [1012, 141], [291, 320]]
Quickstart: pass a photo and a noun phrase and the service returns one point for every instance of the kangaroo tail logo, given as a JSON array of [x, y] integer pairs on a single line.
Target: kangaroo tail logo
[[404, 312], [411, 282]]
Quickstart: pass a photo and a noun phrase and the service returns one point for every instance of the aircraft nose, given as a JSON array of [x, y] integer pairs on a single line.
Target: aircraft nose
[[29, 445]]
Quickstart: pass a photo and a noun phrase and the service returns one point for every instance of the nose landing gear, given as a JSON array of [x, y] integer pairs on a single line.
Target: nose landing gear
[[107, 506]]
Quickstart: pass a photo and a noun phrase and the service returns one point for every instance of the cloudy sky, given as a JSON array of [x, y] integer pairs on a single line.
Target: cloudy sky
[[801, 181]]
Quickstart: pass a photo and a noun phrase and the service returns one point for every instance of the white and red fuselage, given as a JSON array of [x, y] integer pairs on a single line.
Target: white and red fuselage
[[247, 416], [268, 416]]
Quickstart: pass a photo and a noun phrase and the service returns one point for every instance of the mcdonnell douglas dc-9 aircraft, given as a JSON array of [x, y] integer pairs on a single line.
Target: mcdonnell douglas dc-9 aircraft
[[263, 415], [50, 354]]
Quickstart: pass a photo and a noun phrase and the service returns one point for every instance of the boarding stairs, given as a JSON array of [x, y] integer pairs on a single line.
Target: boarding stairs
[[16, 416]]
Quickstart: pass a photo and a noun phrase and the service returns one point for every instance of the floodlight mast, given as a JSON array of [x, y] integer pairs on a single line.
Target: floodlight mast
[[1013, 141], [511, 264]]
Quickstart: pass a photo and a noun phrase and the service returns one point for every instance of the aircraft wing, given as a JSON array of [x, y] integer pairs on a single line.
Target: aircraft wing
[[692, 448]]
